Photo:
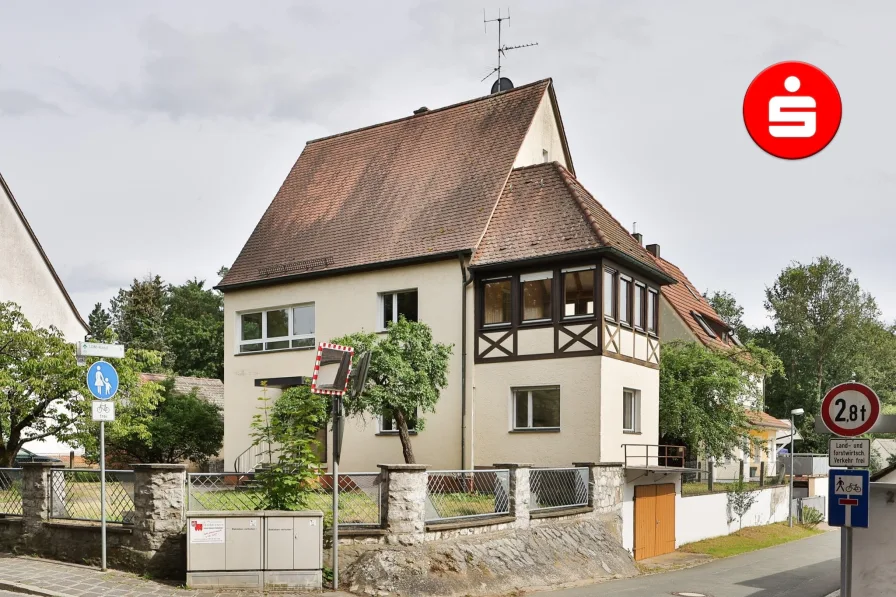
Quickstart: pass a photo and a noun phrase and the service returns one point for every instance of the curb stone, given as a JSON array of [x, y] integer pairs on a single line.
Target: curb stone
[[16, 587]]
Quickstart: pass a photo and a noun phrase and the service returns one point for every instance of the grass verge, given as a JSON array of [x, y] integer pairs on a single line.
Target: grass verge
[[750, 539]]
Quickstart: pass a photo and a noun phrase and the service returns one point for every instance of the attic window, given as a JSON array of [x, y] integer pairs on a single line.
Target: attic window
[[704, 325], [544, 156]]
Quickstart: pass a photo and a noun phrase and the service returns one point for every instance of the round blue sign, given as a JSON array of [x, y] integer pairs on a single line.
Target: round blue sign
[[102, 380]]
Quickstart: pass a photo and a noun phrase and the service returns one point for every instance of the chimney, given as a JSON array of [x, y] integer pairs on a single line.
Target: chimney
[[639, 237], [654, 250], [421, 110]]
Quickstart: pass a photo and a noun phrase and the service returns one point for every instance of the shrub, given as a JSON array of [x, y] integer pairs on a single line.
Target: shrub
[[811, 517]]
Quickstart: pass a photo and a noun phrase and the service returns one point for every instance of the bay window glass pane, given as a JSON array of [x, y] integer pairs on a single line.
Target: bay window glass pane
[[609, 294], [628, 411], [496, 302], [302, 320], [407, 305], [250, 325], [278, 323], [651, 311], [536, 297], [638, 306], [624, 288], [521, 418], [546, 407], [578, 293]]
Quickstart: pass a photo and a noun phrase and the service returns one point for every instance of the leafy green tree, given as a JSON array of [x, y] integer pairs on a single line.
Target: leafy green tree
[[407, 373], [180, 427], [704, 395], [731, 313], [40, 380], [138, 314], [194, 330], [826, 330], [287, 431], [99, 321], [740, 499]]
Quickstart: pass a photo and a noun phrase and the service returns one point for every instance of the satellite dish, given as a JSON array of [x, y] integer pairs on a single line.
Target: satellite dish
[[502, 84]]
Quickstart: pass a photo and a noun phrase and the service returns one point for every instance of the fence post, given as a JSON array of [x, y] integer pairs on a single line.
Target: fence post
[[762, 474], [711, 476], [159, 516], [520, 492], [405, 502], [36, 485]]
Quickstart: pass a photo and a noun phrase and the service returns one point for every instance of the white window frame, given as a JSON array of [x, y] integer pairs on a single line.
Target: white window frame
[[264, 330], [394, 431], [652, 324], [528, 390], [380, 318], [635, 410], [624, 318]]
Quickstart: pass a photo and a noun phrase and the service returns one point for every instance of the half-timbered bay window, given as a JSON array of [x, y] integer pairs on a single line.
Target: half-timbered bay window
[[610, 293], [652, 298], [638, 302], [277, 329], [536, 408], [578, 292], [536, 301], [496, 302], [625, 293]]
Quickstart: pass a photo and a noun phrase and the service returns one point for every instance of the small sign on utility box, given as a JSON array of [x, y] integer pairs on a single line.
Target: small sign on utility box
[[849, 453]]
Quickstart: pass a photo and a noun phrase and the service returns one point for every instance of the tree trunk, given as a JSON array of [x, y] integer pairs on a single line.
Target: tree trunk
[[404, 436], [7, 457]]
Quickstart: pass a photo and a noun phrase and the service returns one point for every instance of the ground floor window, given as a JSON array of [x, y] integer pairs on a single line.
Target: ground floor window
[[536, 408], [388, 424], [631, 410]]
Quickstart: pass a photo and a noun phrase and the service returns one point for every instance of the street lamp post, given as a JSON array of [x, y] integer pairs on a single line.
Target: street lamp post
[[793, 413]]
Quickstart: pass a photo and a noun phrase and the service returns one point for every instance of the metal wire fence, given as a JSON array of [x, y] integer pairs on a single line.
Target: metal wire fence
[[554, 488], [360, 496], [467, 494], [75, 495], [11, 491]]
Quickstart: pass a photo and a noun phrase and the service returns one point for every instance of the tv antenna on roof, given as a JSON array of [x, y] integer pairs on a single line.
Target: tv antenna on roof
[[499, 86]]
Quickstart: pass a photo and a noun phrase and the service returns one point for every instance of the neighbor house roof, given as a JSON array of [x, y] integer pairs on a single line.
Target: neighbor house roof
[[43, 254], [408, 190], [761, 419], [545, 211], [686, 300], [209, 389]]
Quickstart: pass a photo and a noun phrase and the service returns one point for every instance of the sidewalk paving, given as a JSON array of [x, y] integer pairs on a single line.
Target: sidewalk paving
[[58, 579]]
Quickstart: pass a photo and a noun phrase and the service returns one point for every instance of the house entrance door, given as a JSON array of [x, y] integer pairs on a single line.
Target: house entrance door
[[654, 520]]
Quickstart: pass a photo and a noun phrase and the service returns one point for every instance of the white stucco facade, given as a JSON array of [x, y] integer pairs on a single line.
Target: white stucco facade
[[543, 142]]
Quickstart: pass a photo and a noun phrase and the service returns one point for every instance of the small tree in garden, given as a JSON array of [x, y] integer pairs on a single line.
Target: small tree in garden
[[740, 499], [286, 431], [406, 375]]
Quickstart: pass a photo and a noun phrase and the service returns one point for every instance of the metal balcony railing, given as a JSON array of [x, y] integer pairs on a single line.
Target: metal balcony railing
[[654, 455]]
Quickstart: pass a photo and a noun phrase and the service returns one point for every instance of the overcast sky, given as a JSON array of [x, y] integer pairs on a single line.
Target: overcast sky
[[150, 136]]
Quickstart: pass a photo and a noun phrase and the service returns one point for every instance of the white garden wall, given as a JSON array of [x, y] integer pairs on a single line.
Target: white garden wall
[[706, 516]]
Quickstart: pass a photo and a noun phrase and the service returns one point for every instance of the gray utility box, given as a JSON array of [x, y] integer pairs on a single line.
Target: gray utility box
[[254, 549]]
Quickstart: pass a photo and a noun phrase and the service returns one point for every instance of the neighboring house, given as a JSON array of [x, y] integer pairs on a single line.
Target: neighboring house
[[782, 437], [27, 278], [208, 389], [688, 317], [471, 219], [884, 449]]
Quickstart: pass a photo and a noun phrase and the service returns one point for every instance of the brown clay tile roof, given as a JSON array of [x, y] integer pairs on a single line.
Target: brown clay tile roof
[[209, 389], [545, 211], [413, 188], [761, 419], [685, 298]]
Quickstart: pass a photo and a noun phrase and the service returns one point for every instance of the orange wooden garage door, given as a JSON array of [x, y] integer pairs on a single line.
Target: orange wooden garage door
[[654, 520]]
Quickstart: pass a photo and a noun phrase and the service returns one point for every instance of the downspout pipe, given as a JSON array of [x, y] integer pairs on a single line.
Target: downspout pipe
[[466, 278]]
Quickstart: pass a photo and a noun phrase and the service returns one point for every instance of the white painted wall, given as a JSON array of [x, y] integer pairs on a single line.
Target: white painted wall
[[616, 375], [543, 135], [873, 573], [706, 516]]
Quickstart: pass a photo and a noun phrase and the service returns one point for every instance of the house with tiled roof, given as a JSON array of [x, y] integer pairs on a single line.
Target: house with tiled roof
[[688, 317], [471, 219]]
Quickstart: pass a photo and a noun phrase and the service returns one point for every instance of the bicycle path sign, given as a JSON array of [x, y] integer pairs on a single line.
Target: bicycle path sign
[[848, 498]]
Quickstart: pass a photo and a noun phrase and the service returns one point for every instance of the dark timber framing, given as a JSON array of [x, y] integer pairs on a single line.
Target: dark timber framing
[[498, 343]]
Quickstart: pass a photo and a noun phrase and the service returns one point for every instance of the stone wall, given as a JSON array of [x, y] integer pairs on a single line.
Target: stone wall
[[153, 544]]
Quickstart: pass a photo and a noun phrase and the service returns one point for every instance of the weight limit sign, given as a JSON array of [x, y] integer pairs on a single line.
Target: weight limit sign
[[850, 409]]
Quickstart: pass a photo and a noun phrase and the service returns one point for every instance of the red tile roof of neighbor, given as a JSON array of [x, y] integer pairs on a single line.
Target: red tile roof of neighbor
[[762, 419], [409, 189], [545, 211]]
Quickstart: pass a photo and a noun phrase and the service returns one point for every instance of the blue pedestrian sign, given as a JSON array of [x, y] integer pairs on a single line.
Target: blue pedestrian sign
[[102, 380], [848, 498]]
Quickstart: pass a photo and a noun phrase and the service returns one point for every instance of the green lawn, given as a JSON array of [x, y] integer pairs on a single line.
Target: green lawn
[[749, 539]]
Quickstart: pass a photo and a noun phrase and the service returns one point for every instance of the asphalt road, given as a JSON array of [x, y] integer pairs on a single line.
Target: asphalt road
[[806, 568]]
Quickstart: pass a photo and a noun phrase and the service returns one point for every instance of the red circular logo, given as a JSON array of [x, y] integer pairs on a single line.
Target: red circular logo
[[792, 110]]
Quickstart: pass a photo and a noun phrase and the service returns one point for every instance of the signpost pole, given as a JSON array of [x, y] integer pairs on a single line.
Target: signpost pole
[[103, 491], [846, 561], [335, 550]]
